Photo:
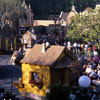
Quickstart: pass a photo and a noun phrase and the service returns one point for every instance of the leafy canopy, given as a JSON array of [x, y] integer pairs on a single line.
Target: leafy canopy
[[85, 26], [10, 10]]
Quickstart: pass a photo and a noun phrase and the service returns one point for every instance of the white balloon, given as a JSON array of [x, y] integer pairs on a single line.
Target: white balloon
[[84, 81]]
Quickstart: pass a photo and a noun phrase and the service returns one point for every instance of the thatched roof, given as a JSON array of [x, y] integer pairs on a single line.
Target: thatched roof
[[67, 62], [27, 52], [35, 56]]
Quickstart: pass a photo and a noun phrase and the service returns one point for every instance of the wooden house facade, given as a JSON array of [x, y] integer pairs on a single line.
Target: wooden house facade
[[7, 39], [27, 21], [42, 66], [28, 40], [9, 33]]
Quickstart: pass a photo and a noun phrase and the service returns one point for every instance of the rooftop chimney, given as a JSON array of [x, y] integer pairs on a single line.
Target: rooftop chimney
[[61, 14], [43, 48], [73, 7]]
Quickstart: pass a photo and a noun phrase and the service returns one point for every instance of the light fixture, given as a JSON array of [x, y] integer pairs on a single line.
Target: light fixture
[[84, 81]]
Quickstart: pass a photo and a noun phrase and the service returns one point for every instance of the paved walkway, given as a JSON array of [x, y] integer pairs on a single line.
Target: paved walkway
[[5, 59], [8, 74]]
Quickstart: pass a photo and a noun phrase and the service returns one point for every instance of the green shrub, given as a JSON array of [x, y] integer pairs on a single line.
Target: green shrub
[[58, 91]]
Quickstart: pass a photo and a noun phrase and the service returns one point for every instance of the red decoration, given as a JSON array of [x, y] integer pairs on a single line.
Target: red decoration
[[35, 83]]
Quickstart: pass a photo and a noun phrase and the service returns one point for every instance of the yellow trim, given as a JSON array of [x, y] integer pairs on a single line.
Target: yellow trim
[[6, 41], [7, 44]]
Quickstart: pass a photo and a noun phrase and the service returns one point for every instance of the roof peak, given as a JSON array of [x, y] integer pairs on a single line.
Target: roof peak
[[73, 9]]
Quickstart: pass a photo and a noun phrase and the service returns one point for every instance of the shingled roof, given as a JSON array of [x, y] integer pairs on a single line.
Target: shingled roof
[[35, 56]]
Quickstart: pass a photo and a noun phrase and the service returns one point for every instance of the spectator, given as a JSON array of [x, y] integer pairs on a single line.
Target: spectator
[[84, 68], [75, 48], [78, 48], [69, 45], [96, 59], [98, 73], [98, 67], [2, 93], [86, 47], [93, 74], [88, 69], [95, 53]]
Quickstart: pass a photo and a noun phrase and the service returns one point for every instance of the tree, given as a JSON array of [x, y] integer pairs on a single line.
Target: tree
[[44, 8], [10, 12], [86, 27]]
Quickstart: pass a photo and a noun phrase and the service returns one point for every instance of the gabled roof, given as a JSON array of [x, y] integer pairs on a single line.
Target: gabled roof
[[36, 57], [73, 9], [87, 9], [29, 32], [63, 16], [64, 62]]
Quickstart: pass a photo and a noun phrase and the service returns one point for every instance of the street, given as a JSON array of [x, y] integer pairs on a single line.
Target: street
[[9, 74]]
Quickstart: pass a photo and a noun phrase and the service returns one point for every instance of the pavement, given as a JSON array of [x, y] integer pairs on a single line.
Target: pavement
[[8, 74], [5, 60]]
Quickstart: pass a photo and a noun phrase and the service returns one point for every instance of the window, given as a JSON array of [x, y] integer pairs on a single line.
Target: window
[[35, 79]]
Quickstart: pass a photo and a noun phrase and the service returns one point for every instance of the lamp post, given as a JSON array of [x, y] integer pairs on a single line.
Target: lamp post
[[84, 83]]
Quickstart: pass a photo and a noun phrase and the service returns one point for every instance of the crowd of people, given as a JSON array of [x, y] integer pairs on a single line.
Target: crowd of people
[[53, 39], [89, 55], [86, 52], [7, 95]]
